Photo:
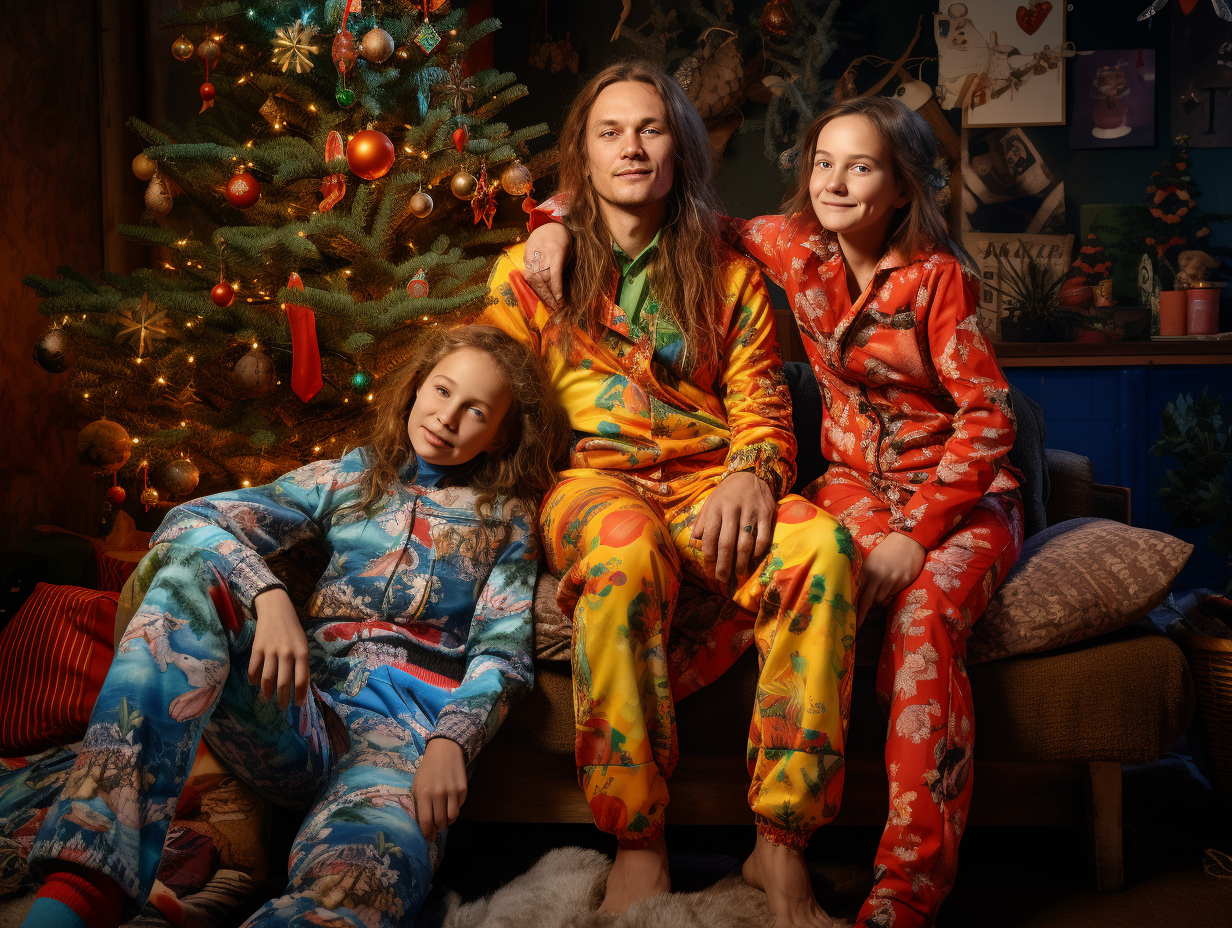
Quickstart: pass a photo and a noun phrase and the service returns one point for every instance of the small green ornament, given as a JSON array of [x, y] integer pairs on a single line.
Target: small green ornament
[[361, 380], [345, 97], [427, 38]]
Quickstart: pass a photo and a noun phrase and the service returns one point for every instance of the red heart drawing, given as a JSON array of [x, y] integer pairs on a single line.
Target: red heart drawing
[[1187, 6], [1032, 19]]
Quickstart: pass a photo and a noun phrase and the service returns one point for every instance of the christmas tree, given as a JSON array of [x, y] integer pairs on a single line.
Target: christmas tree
[[1175, 222], [336, 193]]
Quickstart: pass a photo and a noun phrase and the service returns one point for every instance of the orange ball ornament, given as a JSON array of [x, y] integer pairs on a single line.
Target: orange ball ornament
[[243, 190], [370, 154]]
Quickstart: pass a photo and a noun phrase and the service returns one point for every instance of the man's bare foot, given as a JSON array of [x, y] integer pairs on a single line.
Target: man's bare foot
[[638, 873], [782, 874]]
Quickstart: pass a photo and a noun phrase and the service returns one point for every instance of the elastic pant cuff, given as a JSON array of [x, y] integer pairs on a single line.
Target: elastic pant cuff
[[776, 835]]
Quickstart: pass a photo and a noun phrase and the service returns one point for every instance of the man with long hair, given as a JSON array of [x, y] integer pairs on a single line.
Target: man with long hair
[[664, 357]]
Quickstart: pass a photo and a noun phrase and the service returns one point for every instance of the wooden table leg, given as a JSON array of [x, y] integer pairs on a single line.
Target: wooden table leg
[[1104, 825]]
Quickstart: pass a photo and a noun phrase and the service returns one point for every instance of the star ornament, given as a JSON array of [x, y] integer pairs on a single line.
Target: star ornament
[[458, 86], [146, 324], [292, 46]]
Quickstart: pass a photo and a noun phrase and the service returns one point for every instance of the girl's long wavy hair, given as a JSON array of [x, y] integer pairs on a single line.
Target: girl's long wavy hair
[[535, 429], [919, 225], [685, 273]]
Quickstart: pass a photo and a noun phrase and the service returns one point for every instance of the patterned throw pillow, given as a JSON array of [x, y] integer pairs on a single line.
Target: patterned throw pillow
[[54, 655], [1076, 580]]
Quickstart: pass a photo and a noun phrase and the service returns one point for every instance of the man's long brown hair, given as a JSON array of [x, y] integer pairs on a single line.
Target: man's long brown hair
[[535, 430], [920, 224], [685, 273]]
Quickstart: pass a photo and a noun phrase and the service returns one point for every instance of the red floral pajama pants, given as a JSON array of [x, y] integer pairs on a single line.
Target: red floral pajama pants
[[922, 681]]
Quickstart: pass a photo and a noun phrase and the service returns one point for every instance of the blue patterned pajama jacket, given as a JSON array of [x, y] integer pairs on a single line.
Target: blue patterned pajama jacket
[[419, 628]]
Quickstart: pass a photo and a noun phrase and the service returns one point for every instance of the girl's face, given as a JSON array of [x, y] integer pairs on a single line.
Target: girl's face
[[853, 187], [460, 409]]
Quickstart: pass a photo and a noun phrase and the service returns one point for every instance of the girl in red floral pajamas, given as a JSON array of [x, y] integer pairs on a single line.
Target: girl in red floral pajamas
[[917, 427]]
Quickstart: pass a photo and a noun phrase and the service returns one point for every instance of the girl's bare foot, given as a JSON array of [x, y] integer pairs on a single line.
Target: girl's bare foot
[[637, 874], [782, 874]]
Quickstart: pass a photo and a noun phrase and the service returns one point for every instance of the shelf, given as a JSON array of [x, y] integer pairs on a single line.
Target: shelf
[[1113, 354]]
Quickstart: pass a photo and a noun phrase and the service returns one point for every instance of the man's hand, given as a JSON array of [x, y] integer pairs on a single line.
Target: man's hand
[[279, 649], [548, 250], [890, 567], [736, 524], [439, 787]]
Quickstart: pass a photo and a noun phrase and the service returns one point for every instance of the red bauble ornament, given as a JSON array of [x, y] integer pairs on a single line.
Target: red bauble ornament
[[370, 154], [461, 136], [115, 495], [222, 294], [207, 92], [243, 190]]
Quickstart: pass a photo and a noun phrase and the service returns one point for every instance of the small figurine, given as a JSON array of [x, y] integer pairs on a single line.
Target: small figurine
[[1193, 267]]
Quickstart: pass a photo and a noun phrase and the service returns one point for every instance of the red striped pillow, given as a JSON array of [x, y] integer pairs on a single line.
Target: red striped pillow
[[54, 655]]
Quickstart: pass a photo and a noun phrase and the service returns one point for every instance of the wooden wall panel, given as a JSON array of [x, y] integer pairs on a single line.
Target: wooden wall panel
[[49, 215]]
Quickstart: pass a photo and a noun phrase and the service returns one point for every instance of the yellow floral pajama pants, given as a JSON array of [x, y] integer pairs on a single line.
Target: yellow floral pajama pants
[[621, 547]]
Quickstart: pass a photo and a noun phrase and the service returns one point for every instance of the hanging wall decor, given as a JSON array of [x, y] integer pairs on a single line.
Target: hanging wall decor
[[1001, 63], [1201, 77], [1114, 99]]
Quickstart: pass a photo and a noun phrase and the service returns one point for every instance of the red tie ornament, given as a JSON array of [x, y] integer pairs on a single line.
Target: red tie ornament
[[305, 353]]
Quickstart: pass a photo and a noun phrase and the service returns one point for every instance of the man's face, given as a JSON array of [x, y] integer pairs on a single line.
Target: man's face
[[629, 149]]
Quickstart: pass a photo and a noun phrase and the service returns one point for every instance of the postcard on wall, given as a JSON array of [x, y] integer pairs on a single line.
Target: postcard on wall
[[1201, 76], [1001, 62], [1114, 99], [994, 251], [1007, 186]]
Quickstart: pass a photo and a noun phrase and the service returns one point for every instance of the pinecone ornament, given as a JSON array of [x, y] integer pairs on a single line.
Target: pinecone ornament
[[712, 76]]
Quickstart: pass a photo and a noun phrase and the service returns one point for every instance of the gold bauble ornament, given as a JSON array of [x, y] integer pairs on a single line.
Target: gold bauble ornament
[[182, 48], [104, 444], [180, 477], [421, 205], [209, 50], [376, 45], [517, 179], [149, 497], [144, 167], [464, 185]]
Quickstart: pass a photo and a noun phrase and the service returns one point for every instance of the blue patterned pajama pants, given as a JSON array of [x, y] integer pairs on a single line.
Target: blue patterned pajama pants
[[181, 673]]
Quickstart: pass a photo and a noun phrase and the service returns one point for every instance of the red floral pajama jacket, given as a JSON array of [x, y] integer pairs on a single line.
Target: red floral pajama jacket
[[917, 424]]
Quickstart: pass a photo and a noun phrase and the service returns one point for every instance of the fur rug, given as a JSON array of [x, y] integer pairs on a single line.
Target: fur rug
[[564, 890]]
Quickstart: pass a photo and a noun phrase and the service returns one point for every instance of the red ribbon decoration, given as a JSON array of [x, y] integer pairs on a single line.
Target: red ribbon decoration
[[305, 353], [333, 186]]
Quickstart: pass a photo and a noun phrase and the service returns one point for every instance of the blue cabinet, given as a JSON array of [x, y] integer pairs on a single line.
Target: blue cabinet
[[1112, 415]]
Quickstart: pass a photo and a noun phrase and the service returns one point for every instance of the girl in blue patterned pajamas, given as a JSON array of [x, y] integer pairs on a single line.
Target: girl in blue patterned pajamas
[[413, 646]]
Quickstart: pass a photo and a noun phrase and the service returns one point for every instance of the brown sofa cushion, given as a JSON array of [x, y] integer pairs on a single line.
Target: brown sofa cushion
[[1076, 580], [1124, 697]]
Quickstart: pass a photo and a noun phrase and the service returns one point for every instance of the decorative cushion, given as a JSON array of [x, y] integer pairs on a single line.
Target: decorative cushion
[[54, 655], [1076, 580]]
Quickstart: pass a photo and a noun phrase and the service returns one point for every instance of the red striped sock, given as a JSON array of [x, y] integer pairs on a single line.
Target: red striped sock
[[95, 898]]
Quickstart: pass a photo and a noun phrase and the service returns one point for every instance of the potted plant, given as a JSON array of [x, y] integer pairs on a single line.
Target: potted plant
[[1031, 289], [1198, 434]]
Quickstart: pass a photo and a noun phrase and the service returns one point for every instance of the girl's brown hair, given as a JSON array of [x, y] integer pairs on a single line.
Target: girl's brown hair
[[685, 273], [535, 429], [920, 225]]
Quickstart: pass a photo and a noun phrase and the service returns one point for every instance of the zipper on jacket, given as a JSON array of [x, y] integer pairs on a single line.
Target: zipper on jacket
[[406, 542]]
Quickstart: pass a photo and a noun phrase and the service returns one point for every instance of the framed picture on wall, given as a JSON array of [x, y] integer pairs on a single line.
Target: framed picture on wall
[[1114, 99], [1201, 76], [1001, 62]]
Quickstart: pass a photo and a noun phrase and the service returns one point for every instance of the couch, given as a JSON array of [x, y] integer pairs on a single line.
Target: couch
[[1054, 729]]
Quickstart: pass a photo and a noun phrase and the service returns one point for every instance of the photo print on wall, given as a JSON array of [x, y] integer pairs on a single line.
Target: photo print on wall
[[1001, 62], [1201, 76], [1007, 187], [1114, 99]]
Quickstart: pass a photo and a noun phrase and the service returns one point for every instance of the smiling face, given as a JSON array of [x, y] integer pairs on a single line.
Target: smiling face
[[460, 409], [853, 187], [629, 147]]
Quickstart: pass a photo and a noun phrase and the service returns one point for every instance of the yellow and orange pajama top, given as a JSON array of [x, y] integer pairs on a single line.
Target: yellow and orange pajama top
[[653, 439]]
